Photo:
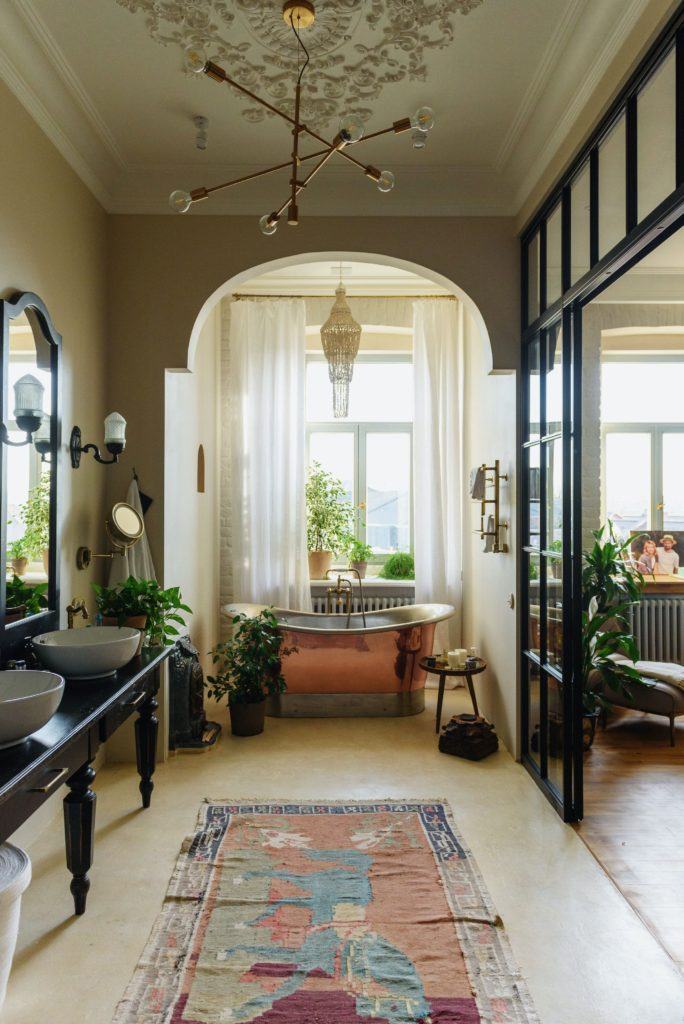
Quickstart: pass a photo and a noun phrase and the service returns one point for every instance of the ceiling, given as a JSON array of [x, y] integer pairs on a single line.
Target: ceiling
[[506, 78]]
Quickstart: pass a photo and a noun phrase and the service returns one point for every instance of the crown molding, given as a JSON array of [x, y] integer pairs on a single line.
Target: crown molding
[[537, 86]]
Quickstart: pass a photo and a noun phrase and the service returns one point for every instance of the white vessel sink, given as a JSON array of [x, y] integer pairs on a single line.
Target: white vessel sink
[[90, 653], [27, 701]]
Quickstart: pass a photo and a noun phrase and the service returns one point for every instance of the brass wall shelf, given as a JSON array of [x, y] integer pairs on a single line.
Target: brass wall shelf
[[491, 524]]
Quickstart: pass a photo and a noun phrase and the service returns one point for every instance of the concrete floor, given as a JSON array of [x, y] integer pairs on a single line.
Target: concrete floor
[[586, 956]]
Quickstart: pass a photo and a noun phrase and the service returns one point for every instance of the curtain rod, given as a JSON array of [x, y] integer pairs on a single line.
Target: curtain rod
[[240, 295]]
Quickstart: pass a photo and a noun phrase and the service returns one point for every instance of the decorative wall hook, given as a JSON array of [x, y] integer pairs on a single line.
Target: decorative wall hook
[[114, 439]]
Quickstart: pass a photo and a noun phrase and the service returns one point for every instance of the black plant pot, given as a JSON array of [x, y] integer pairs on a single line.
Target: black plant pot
[[247, 719]]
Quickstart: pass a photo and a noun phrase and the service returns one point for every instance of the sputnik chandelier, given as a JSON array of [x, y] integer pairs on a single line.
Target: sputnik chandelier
[[299, 15]]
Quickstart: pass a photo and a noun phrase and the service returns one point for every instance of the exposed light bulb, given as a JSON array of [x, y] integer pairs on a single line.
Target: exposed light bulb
[[268, 226], [195, 59], [352, 128], [386, 181], [419, 138], [180, 201], [423, 119]]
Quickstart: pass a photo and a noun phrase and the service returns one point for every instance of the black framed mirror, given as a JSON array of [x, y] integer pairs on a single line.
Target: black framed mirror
[[29, 470]]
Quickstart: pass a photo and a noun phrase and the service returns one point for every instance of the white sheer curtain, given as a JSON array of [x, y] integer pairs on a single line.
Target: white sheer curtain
[[268, 458], [437, 456]]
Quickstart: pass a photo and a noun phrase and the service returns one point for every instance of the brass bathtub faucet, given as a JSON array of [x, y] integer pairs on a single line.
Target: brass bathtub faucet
[[343, 588]]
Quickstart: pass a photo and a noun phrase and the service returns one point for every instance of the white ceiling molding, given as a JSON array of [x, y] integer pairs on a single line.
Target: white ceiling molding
[[542, 76], [632, 13], [55, 55]]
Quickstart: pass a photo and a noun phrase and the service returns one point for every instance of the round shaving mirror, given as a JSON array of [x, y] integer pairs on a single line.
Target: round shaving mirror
[[125, 526]]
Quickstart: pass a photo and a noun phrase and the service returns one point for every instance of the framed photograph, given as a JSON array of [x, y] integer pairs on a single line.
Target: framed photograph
[[657, 552]]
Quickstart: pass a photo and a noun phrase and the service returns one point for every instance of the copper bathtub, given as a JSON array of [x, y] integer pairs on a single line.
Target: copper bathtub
[[369, 671]]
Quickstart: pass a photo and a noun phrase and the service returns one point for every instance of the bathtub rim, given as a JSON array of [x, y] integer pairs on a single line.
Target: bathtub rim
[[433, 613]]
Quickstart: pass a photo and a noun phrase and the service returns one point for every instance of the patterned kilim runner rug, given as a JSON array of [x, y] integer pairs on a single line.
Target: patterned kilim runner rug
[[330, 913]]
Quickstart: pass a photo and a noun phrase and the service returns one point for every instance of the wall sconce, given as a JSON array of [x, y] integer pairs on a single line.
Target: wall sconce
[[28, 409], [114, 439], [42, 440]]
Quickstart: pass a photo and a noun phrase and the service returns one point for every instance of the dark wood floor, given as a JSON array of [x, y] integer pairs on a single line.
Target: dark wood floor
[[634, 818]]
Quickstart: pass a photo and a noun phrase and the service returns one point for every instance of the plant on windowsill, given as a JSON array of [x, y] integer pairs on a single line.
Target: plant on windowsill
[[144, 605], [359, 555], [328, 519], [399, 566], [18, 554], [35, 515], [610, 586], [249, 670], [22, 599]]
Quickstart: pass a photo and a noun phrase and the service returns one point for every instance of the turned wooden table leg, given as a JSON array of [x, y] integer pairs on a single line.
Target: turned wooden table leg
[[146, 729], [471, 690], [440, 701], [79, 833]]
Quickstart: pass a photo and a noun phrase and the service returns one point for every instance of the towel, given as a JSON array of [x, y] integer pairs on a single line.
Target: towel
[[489, 537], [663, 671], [478, 480], [137, 560]]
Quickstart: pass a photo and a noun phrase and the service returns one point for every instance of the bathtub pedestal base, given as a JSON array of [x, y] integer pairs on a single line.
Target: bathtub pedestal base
[[346, 705]]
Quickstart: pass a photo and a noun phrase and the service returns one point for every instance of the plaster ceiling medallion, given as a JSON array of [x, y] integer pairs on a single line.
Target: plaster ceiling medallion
[[357, 46]]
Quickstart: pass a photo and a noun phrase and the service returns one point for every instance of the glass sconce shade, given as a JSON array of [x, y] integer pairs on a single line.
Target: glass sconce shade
[[195, 59], [386, 181], [115, 431], [423, 119], [351, 128], [419, 138], [44, 431], [180, 201], [268, 226], [28, 400]]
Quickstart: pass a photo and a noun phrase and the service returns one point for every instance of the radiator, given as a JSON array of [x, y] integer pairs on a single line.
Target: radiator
[[658, 628], [370, 604]]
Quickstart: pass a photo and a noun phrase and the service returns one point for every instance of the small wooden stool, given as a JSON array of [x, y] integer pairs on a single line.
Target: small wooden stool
[[443, 671]]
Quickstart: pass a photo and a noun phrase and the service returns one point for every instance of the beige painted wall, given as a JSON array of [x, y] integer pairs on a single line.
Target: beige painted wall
[[53, 237], [163, 269], [490, 579]]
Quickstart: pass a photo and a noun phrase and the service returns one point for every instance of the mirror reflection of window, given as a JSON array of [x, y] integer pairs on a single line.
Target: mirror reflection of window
[[27, 480]]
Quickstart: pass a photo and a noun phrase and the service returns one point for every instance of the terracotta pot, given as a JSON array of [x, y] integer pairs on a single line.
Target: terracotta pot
[[319, 563], [46, 560], [16, 613], [19, 565], [247, 719], [134, 621], [360, 568]]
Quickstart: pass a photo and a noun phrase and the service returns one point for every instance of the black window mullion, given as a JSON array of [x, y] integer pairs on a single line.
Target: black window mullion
[[566, 239], [542, 267], [632, 184], [568, 486], [575, 568], [679, 127], [594, 206], [543, 684]]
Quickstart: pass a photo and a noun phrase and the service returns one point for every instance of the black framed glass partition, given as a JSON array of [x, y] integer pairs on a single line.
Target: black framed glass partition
[[621, 196]]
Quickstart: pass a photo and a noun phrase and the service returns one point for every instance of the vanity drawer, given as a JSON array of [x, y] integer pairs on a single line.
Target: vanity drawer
[[116, 716], [42, 784]]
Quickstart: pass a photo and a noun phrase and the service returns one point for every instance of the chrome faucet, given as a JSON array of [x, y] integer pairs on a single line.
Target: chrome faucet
[[77, 607]]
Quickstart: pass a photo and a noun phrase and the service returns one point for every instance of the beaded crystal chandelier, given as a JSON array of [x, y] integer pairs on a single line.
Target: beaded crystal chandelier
[[300, 15], [341, 336]]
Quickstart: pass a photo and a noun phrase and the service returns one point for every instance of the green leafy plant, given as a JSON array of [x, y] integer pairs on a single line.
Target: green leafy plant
[[18, 593], [610, 586], [358, 551], [399, 566], [136, 597], [328, 514], [250, 663], [18, 549], [35, 515]]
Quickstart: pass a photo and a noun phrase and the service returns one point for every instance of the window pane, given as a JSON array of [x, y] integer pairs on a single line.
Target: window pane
[[554, 611], [554, 380], [553, 256], [628, 481], [388, 492], [673, 482], [554, 495], [335, 452], [612, 188], [379, 392], [579, 232], [554, 741], [533, 309], [534, 495], [533, 390], [534, 629], [656, 120], [641, 392], [534, 723]]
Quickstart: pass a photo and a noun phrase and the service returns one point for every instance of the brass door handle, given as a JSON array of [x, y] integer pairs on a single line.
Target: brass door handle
[[53, 783]]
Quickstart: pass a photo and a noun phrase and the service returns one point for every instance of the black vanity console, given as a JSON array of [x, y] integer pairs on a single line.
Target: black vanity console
[[63, 751]]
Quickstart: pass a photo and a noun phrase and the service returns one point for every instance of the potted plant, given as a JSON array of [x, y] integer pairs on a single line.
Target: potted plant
[[22, 600], [359, 556], [328, 519], [144, 605], [18, 555], [399, 566], [35, 515], [249, 670], [610, 586]]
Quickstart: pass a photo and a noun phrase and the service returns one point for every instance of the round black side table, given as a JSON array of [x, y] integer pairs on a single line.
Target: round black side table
[[443, 671]]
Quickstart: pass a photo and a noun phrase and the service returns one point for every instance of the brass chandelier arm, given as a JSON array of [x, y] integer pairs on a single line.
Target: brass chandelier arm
[[301, 185]]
